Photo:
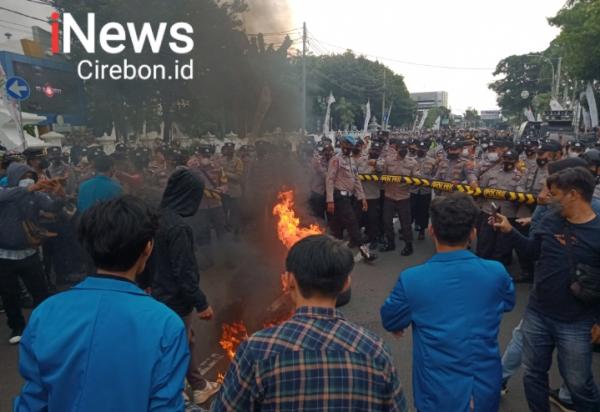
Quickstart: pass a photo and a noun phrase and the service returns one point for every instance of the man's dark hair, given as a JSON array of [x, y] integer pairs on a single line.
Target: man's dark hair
[[579, 179], [453, 217], [320, 264], [103, 163], [114, 233]]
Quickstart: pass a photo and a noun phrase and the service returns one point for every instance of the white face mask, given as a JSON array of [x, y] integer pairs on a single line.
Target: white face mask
[[26, 182], [465, 152], [492, 156], [205, 161]]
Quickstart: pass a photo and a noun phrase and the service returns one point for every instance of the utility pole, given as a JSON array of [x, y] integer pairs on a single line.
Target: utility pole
[[304, 78], [558, 78], [383, 102]]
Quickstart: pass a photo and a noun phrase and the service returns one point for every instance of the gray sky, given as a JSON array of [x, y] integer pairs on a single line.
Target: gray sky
[[458, 33]]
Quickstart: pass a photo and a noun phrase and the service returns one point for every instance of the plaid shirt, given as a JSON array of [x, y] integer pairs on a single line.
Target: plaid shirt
[[315, 361]]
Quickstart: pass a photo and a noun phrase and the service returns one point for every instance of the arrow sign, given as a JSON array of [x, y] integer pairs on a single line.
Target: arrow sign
[[17, 88]]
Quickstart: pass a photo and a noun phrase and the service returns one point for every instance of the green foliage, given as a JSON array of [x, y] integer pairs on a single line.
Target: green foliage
[[579, 39]]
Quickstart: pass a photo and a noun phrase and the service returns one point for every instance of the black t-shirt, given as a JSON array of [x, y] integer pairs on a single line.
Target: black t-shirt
[[551, 294]]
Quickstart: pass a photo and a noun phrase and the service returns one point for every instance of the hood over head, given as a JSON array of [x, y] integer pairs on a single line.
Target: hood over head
[[183, 193], [15, 173]]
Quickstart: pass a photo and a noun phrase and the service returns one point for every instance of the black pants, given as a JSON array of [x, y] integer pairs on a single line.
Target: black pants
[[317, 205], [526, 263], [233, 216], [419, 209], [30, 270], [344, 217], [373, 218], [206, 220], [390, 208], [492, 244]]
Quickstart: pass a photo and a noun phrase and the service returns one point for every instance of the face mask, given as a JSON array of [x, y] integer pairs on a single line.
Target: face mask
[[412, 152], [452, 156], [465, 152], [493, 156], [421, 153], [541, 162], [402, 152], [44, 164], [26, 183], [508, 167], [205, 161], [356, 152]]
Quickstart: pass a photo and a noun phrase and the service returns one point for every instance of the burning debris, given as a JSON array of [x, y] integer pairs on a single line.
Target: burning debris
[[288, 226], [289, 231]]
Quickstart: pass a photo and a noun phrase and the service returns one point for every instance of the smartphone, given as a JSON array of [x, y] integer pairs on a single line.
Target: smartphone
[[495, 210]]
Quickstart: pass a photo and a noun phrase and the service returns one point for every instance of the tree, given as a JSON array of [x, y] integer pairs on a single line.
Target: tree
[[579, 38], [472, 117], [522, 73]]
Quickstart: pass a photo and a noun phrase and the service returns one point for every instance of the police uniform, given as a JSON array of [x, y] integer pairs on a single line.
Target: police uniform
[[455, 170], [210, 213], [397, 199], [343, 187], [233, 169], [420, 197], [318, 174], [371, 163], [492, 244]]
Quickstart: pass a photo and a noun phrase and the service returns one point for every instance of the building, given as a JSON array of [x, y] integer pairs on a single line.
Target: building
[[429, 100]]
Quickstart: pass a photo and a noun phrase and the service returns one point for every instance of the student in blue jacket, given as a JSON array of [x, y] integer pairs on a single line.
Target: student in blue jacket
[[454, 303], [106, 345]]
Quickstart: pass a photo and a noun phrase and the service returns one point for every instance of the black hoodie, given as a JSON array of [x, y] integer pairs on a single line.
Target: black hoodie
[[172, 268]]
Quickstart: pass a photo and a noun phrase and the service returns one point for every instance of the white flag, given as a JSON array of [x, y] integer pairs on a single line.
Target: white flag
[[387, 117], [422, 122], [436, 125], [587, 120], [367, 117], [589, 92], [529, 114], [330, 101]]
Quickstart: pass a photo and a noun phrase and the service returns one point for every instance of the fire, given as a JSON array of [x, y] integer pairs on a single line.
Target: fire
[[220, 378], [232, 336], [288, 226]]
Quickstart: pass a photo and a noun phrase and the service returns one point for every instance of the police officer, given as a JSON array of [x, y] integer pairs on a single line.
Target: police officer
[[372, 163], [233, 168], [343, 187], [397, 199], [454, 169], [592, 157], [530, 153], [548, 151], [504, 175], [576, 149], [210, 214], [318, 173], [420, 197]]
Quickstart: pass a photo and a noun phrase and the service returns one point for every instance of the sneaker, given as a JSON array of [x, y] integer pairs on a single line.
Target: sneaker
[[563, 406], [15, 336], [504, 389], [366, 254], [202, 395]]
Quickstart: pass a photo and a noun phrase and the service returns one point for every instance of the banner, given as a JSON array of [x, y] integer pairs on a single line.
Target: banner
[[589, 93], [367, 117], [330, 101]]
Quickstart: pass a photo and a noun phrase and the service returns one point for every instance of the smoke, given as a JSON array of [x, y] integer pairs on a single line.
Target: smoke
[[268, 16]]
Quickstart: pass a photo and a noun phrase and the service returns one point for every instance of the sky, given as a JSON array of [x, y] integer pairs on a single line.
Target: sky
[[463, 34]]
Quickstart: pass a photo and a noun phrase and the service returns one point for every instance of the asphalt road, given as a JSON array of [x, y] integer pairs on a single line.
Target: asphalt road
[[244, 285]]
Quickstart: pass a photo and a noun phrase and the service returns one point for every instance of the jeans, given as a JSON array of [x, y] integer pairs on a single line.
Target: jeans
[[572, 340], [511, 360]]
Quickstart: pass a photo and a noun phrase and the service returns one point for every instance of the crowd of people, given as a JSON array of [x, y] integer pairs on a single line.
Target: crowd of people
[[139, 223]]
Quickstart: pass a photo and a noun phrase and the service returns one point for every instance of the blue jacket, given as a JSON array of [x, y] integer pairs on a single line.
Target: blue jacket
[[97, 189], [454, 303], [104, 345]]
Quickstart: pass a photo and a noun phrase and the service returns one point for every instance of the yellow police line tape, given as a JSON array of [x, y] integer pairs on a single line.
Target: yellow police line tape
[[487, 193]]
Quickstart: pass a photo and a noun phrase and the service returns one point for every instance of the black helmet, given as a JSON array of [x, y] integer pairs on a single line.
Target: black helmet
[[592, 157]]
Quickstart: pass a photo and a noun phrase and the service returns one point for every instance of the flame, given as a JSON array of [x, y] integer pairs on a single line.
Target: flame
[[220, 378], [288, 226], [232, 336]]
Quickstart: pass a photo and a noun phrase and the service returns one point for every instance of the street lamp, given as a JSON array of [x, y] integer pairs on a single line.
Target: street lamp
[[547, 60]]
